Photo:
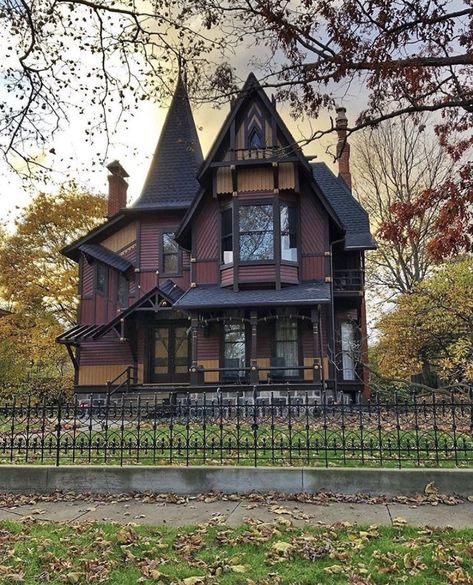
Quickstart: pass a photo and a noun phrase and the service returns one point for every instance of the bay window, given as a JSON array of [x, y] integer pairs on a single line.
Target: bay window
[[258, 227]]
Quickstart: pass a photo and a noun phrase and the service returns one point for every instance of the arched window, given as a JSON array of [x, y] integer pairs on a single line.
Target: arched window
[[256, 140]]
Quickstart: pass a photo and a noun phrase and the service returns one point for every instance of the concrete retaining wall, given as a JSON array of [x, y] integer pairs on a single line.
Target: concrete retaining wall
[[193, 480]]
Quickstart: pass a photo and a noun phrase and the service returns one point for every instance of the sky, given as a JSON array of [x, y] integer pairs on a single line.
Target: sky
[[133, 146]]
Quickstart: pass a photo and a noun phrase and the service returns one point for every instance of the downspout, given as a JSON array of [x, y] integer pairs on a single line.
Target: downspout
[[335, 381]]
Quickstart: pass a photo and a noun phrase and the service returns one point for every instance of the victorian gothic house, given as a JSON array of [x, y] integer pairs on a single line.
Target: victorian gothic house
[[242, 268]]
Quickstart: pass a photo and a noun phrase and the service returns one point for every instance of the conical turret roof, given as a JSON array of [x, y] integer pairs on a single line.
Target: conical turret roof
[[172, 177]]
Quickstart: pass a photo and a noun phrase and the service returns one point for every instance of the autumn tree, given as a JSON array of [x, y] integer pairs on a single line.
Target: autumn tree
[[394, 165], [430, 329], [40, 287], [34, 275]]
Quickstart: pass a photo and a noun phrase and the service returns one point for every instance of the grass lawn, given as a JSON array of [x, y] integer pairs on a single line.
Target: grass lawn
[[255, 553]]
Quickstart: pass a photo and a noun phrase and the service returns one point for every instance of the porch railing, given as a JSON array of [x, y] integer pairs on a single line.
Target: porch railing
[[348, 280]]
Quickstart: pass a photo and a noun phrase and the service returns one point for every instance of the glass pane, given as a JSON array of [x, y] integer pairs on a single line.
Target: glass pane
[[169, 245], [288, 233], [181, 347], [101, 277], [256, 246], [287, 345], [170, 263], [256, 218], [235, 349], [255, 139], [227, 222], [348, 347], [161, 350], [256, 232]]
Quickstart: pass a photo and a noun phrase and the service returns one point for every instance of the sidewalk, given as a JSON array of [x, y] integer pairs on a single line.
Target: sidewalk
[[234, 513]]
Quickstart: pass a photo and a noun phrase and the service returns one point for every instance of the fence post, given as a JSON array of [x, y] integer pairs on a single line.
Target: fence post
[[58, 431]]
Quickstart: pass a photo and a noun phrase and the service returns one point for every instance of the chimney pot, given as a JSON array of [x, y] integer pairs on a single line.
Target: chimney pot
[[343, 147], [117, 188]]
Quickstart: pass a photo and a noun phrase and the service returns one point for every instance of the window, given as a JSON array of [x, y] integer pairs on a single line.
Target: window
[[234, 351], [227, 236], [348, 350], [170, 254], [122, 291], [287, 344], [288, 232], [256, 232], [101, 277], [255, 141]]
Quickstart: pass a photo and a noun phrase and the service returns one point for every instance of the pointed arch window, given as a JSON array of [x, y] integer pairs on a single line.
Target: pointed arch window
[[255, 140]]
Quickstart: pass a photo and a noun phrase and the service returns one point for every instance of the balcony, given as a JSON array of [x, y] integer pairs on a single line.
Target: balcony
[[348, 281]]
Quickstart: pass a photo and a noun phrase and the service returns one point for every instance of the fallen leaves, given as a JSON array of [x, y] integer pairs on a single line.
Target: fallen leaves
[[258, 553]]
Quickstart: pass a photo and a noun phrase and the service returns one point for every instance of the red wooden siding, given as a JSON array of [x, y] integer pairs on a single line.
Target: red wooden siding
[[289, 274], [257, 273], [227, 276], [105, 351], [207, 243], [87, 313], [313, 267], [87, 278], [264, 337], [314, 237], [208, 345], [149, 246], [207, 271]]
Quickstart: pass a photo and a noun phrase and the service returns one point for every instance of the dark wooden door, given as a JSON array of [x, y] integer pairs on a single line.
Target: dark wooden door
[[170, 352]]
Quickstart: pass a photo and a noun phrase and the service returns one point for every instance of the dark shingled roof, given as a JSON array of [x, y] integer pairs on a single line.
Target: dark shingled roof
[[215, 296], [352, 215], [172, 177], [170, 289], [107, 256]]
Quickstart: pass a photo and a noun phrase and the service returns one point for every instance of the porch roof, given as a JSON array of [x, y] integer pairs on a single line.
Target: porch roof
[[201, 297]]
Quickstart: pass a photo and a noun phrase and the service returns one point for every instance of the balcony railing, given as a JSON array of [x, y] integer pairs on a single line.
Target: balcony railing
[[351, 280]]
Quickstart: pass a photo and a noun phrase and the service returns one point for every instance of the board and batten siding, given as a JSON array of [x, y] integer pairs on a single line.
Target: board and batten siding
[[207, 244], [314, 237]]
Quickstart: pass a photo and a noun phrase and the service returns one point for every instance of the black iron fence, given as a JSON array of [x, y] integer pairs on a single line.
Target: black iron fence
[[251, 428]]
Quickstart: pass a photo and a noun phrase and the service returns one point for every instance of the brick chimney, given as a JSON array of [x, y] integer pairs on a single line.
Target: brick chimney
[[343, 148], [117, 188]]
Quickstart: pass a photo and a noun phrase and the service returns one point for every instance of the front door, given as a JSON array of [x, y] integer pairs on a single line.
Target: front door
[[170, 352]]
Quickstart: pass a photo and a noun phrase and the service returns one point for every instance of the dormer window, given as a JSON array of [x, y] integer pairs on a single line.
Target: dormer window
[[255, 140]]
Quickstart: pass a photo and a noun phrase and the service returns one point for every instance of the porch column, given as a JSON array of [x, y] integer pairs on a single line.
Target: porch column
[[317, 341], [254, 377], [194, 373]]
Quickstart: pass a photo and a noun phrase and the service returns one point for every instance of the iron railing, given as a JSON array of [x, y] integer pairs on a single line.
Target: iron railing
[[253, 427]]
